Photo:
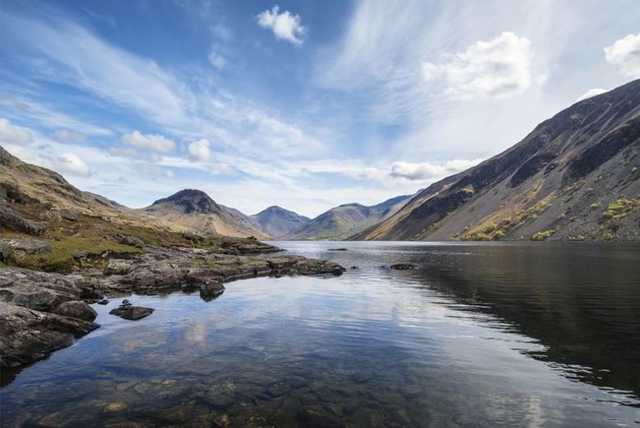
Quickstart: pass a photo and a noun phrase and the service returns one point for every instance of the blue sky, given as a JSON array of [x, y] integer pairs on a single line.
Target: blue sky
[[304, 104]]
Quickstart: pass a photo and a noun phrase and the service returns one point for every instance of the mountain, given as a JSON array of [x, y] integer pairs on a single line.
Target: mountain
[[345, 220], [196, 211], [32, 197], [278, 222], [576, 176]]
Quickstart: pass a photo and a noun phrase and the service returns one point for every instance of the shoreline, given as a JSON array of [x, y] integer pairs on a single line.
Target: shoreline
[[42, 312]]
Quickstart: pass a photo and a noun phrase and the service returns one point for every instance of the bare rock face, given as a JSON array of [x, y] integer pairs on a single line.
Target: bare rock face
[[76, 309], [17, 248], [11, 219]]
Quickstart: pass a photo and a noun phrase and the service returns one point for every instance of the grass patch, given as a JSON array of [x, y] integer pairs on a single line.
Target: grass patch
[[542, 235], [620, 208], [69, 253]]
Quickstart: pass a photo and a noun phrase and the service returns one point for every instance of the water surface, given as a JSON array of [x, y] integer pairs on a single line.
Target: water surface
[[478, 335]]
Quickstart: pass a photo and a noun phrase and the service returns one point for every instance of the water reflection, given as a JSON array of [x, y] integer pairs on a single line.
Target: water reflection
[[449, 344]]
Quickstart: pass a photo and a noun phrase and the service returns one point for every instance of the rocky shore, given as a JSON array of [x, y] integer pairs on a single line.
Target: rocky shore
[[42, 312]]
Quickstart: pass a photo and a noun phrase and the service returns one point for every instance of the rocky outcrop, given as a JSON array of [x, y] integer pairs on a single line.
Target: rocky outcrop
[[42, 312], [11, 219]]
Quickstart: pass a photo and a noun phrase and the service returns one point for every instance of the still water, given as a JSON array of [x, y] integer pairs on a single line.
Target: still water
[[524, 334]]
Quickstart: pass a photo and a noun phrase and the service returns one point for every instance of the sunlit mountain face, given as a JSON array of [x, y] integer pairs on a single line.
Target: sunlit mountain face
[[305, 105]]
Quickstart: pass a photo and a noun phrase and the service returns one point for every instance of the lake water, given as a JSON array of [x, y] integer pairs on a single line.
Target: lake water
[[523, 334]]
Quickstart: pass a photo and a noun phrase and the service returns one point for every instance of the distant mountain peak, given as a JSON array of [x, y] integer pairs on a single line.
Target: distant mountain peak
[[190, 201], [279, 222]]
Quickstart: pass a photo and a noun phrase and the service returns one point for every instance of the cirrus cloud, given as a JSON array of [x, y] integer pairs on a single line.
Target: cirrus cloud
[[285, 25], [494, 68]]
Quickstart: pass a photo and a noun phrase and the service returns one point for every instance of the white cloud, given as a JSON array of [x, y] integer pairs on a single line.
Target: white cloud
[[217, 60], [71, 164], [156, 143], [14, 134], [427, 170], [591, 93], [199, 151], [497, 67], [285, 25], [625, 54]]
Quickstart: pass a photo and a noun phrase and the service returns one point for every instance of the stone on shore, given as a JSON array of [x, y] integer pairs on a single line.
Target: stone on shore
[[76, 309]]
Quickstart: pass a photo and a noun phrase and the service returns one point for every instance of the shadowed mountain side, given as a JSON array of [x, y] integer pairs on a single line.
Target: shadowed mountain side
[[345, 220], [278, 222], [575, 176]]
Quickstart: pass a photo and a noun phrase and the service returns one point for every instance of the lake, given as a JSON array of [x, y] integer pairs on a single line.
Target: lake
[[479, 334]]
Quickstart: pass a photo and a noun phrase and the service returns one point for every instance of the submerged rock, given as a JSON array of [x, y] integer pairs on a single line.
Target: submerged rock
[[130, 312], [403, 266]]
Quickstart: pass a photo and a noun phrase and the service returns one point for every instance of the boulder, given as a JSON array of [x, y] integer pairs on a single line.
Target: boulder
[[118, 267], [130, 312], [69, 215], [210, 289], [76, 309]]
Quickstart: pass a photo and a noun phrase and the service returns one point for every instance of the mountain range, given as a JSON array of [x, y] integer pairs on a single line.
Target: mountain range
[[576, 176]]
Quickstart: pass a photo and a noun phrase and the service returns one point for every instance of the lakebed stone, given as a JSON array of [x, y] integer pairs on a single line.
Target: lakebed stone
[[402, 266]]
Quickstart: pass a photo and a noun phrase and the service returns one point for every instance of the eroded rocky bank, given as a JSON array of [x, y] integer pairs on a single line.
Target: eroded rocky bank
[[41, 312]]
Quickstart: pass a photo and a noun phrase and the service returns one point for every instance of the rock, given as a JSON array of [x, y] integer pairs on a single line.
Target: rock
[[338, 249], [210, 289], [103, 302], [69, 215], [27, 335], [354, 267], [76, 309], [132, 313], [33, 297], [130, 240], [403, 266], [115, 406], [13, 249], [11, 219], [118, 267]]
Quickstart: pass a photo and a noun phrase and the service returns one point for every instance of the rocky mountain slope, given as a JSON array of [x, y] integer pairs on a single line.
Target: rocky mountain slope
[[345, 220], [278, 222], [196, 211], [576, 176]]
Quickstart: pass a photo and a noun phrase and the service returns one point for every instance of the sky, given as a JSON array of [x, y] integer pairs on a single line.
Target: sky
[[302, 104]]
